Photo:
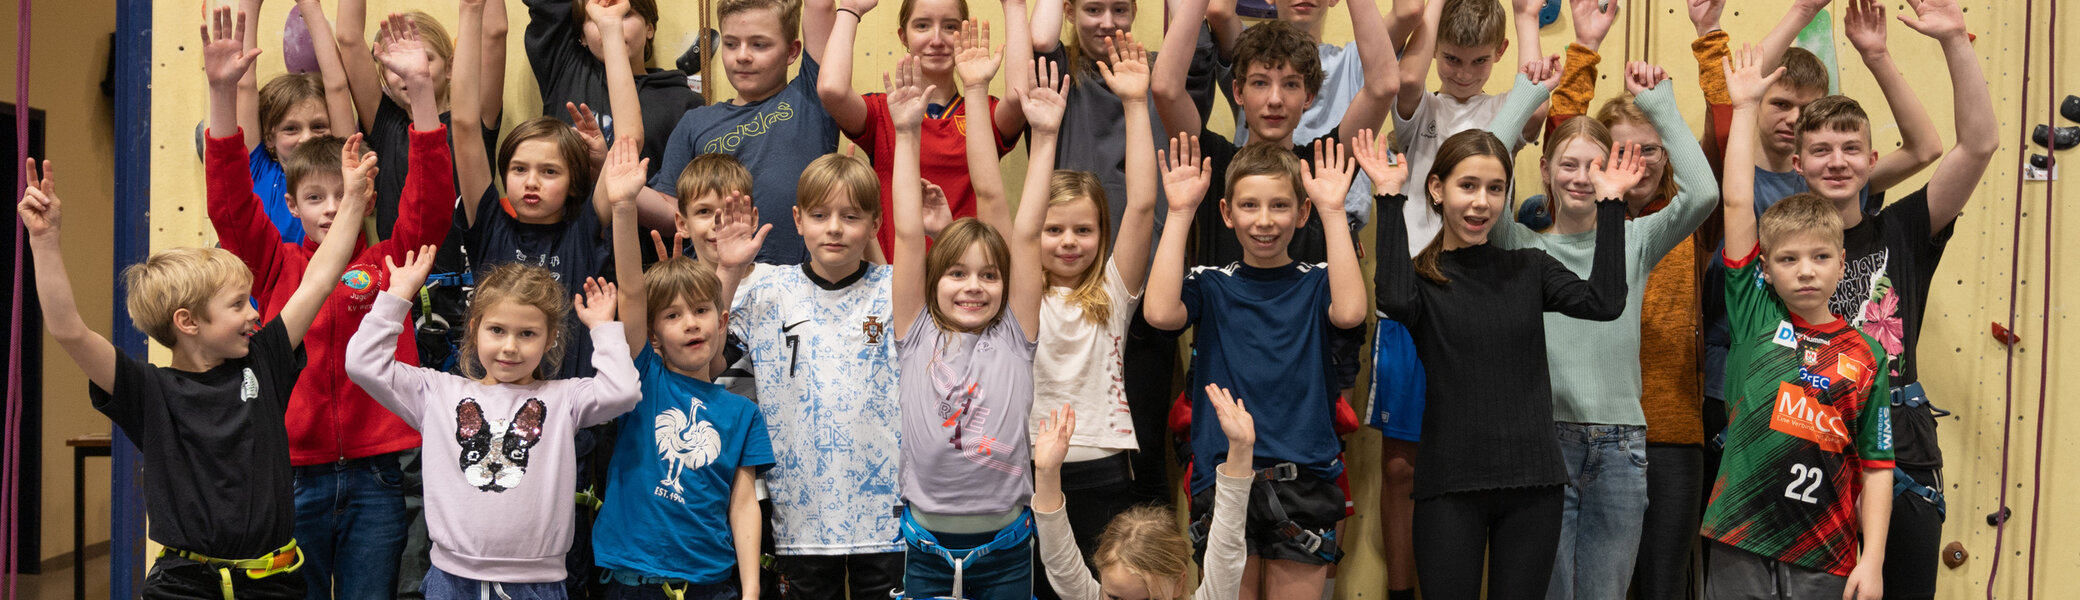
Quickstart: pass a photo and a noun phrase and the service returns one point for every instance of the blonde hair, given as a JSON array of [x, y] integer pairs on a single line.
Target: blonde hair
[[839, 172], [1067, 187], [1625, 109], [1804, 213], [1472, 23], [712, 173], [677, 278], [1145, 541], [283, 93], [788, 11], [175, 279], [528, 285], [437, 41], [1590, 130], [947, 250]]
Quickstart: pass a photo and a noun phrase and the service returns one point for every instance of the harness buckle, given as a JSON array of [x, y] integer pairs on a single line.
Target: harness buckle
[[1284, 471]]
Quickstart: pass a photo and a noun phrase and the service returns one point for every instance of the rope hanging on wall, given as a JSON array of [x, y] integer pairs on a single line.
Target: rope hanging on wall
[[10, 455], [1999, 518]]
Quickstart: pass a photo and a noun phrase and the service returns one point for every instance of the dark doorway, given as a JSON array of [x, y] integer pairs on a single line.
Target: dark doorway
[[29, 492]]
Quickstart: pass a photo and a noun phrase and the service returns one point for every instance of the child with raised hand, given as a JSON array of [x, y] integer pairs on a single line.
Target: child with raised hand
[[966, 316], [931, 31], [1142, 554], [683, 525], [496, 530], [217, 479], [290, 109], [385, 110], [1597, 405], [340, 439], [1807, 472], [1093, 286], [579, 48], [1489, 477], [775, 126], [1264, 327]]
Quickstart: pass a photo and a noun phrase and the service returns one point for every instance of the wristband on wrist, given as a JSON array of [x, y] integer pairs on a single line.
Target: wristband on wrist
[[855, 14]]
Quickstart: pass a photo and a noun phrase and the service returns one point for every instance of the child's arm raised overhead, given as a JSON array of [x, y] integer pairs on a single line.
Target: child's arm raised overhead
[[225, 61], [1578, 76], [1010, 116], [492, 87], [1225, 550], [1167, 84], [357, 172], [473, 170], [249, 81], [976, 64], [364, 78], [1064, 561], [738, 237], [1226, 26], [627, 111], [1369, 108], [1326, 185], [1710, 50], [1044, 108], [1393, 277], [622, 178], [1746, 83], [746, 526], [1045, 26], [1416, 58], [1185, 179], [228, 181], [1780, 38], [339, 97], [1920, 144], [1977, 129], [1696, 188], [426, 209], [1519, 113], [906, 93], [1127, 76], [1524, 17], [40, 213], [829, 36]]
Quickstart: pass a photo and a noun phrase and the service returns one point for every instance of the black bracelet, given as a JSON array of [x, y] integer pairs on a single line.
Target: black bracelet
[[855, 14]]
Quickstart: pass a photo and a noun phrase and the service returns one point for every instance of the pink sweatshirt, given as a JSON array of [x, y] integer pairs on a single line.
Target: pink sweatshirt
[[500, 466]]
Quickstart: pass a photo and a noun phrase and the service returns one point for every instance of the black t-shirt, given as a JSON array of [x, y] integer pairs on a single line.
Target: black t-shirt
[[574, 249], [216, 450], [391, 139], [566, 72], [1888, 266]]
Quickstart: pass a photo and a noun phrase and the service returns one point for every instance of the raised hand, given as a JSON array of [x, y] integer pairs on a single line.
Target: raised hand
[[1640, 77], [1331, 176], [1236, 422], [859, 6], [738, 236], [1388, 169], [1624, 170], [907, 90], [1185, 174], [358, 173], [624, 173], [1044, 104], [973, 59], [1939, 19], [39, 207], [1704, 15], [1545, 73], [937, 213], [676, 250], [404, 53], [586, 123], [1591, 21], [1127, 73], [1744, 79], [596, 305], [1864, 25], [406, 277], [606, 13], [1051, 445], [224, 57]]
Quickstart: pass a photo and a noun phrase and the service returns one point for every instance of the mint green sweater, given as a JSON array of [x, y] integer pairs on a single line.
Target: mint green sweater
[[1595, 366]]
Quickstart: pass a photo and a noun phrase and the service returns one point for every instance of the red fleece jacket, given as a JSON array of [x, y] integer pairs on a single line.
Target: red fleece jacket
[[329, 418]]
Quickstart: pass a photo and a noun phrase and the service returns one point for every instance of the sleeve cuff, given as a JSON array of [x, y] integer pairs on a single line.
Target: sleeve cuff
[[1743, 262]]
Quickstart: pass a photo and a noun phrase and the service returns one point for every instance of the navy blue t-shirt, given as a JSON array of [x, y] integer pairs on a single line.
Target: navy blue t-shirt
[[573, 249], [1264, 334]]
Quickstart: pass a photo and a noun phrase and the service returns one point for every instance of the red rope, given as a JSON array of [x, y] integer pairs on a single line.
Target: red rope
[[2036, 486], [2000, 530], [10, 456]]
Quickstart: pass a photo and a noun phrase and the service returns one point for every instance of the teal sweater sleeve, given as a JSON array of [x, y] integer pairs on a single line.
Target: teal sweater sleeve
[[1697, 190]]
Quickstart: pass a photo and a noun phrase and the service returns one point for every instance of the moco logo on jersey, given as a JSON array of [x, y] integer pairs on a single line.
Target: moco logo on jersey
[[1798, 414]]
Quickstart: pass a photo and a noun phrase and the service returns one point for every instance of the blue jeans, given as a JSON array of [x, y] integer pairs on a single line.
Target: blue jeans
[[350, 524], [1602, 510], [1005, 574], [441, 585]]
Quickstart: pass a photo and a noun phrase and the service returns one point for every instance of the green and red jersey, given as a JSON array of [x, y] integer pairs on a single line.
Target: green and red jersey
[[1800, 429]]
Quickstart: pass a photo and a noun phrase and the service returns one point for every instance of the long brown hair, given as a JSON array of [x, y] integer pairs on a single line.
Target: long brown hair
[[1456, 149], [947, 250], [526, 284], [1067, 187]]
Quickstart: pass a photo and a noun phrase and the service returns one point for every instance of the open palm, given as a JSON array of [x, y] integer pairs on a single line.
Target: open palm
[[972, 57]]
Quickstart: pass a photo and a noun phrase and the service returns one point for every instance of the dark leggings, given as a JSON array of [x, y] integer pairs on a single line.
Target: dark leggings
[[1151, 360], [1516, 530], [1668, 535], [1913, 544]]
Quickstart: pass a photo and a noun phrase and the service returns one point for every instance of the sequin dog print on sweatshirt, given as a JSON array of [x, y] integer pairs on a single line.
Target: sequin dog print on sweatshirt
[[494, 451]]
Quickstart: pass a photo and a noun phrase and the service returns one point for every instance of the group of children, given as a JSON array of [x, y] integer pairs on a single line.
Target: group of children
[[843, 376]]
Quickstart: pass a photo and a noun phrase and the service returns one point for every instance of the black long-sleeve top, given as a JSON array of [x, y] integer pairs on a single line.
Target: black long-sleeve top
[[1488, 412]]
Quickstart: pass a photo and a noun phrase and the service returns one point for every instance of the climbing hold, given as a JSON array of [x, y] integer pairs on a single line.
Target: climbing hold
[[1954, 555], [2005, 337], [1997, 518]]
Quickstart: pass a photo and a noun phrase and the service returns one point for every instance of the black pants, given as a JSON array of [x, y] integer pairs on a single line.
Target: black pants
[[175, 578], [1517, 531], [1913, 545], [864, 576], [1668, 535], [1150, 356]]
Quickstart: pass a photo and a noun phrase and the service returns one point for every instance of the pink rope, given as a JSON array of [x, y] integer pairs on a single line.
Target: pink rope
[[2000, 530], [2036, 486], [10, 456]]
